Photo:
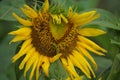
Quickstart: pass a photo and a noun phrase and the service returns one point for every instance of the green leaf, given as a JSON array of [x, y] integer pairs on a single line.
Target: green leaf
[[115, 71], [7, 7], [115, 42], [18, 72], [6, 53], [57, 71], [5, 27], [11, 72], [104, 65], [105, 42], [81, 4], [43, 76], [107, 20]]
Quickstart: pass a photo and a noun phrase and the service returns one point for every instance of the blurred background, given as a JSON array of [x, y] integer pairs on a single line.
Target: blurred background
[[110, 41]]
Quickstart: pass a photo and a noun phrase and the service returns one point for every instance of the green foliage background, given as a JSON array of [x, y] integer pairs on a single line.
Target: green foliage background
[[109, 21]]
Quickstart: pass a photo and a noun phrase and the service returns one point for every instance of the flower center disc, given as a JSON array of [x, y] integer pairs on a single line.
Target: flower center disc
[[44, 40]]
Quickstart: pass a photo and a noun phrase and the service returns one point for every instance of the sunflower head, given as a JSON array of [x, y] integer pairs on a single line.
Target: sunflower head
[[48, 36]]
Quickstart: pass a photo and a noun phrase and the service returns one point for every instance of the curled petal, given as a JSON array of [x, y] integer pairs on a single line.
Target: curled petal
[[90, 48], [25, 47], [46, 65], [86, 54], [91, 43], [22, 21], [56, 57], [28, 11]]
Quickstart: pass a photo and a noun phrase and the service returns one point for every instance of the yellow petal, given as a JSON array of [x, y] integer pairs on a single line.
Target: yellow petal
[[86, 54], [39, 66], [84, 62], [22, 31], [45, 65], [25, 47], [34, 67], [21, 53], [87, 14], [38, 70], [83, 68], [30, 62], [22, 21], [84, 18], [69, 67], [88, 20], [91, 49], [46, 6], [91, 43], [21, 34], [19, 38], [75, 17], [28, 55], [91, 32], [28, 11], [56, 57]]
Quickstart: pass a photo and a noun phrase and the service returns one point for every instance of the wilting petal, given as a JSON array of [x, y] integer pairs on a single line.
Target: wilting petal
[[86, 54], [84, 18], [28, 55], [22, 21], [87, 17], [46, 65], [39, 66], [30, 62], [56, 57], [46, 32], [82, 67], [69, 67], [28, 11], [24, 48], [34, 67], [90, 49], [21, 53], [91, 43], [83, 61]]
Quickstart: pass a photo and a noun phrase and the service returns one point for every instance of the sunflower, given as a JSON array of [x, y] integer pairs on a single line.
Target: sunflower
[[48, 37]]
